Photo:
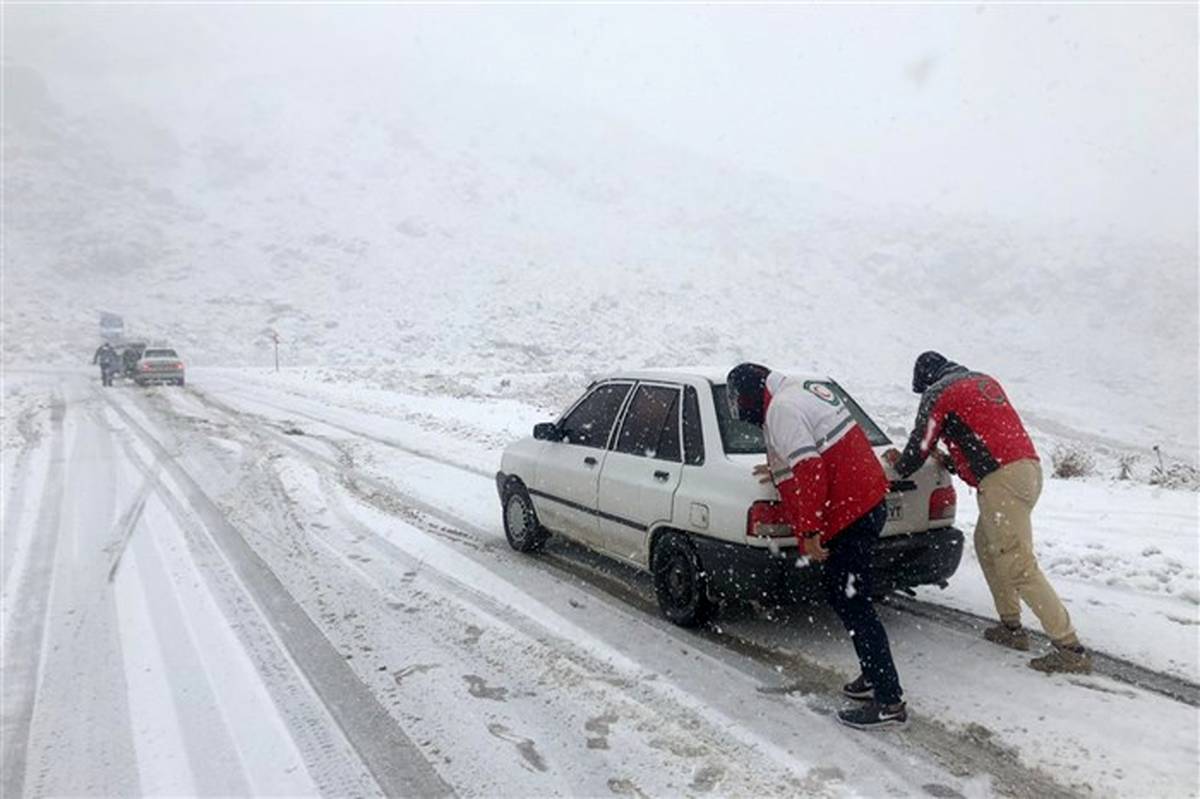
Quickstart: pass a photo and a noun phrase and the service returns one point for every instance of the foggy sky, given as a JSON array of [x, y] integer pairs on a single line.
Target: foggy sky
[[1044, 112]]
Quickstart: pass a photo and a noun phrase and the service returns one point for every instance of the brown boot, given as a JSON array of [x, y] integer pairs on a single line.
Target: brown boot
[[1064, 659], [1011, 637]]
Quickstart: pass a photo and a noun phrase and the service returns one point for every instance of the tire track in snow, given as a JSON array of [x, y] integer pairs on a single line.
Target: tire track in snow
[[81, 737], [208, 743], [652, 709], [523, 657], [395, 762], [329, 758], [23, 638], [17, 488], [126, 525], [379, 439], [1116, 668]]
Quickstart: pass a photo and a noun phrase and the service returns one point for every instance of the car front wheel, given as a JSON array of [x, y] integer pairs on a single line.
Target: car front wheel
[[521, 526], [679, 581]]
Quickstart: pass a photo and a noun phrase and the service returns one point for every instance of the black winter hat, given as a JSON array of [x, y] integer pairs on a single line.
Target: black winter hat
[[926, 369], [746, 386]]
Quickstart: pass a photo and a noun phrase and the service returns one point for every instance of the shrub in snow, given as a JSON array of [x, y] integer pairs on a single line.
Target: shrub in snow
[[1070, 461], [1125, 464], [1177, 476]]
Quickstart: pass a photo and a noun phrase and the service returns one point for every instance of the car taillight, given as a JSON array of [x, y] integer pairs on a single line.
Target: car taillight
[[942, 503], [178, 365], [145, 367], [767, 519]]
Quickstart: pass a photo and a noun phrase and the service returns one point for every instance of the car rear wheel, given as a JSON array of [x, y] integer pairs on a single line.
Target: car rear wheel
[[521, 526], [679, 581]]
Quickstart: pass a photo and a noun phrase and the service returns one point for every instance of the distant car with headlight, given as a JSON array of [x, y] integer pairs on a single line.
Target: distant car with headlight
[[650, 469], [159, 365]]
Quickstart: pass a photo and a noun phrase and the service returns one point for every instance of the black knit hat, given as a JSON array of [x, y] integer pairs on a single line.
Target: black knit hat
[[926, 369], [746, 387]]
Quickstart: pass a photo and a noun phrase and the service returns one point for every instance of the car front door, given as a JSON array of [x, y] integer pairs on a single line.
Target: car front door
[[642, 471], [568, 473]]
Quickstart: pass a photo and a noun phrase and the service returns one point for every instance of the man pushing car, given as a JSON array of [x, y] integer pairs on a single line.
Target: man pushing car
[[991, 451], [832, 487]]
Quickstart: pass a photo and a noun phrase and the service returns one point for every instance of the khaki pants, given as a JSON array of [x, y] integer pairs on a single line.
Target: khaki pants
[[1004, 546]]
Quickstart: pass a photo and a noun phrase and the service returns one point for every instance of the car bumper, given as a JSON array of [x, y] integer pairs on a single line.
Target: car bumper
[[740, 571], [157, 376]]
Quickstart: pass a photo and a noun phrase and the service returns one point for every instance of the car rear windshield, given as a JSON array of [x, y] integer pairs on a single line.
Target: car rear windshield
[[159, 354], [738, 438], [743, 438]]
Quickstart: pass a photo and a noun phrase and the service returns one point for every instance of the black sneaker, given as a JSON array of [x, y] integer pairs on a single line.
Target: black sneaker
[[875, 716], [861, 688]]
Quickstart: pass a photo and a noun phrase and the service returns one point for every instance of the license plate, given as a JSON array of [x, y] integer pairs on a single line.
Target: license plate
[[895, 510]]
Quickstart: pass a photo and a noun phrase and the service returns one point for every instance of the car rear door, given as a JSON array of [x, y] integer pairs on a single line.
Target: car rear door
[[568, 471], [642, 470]]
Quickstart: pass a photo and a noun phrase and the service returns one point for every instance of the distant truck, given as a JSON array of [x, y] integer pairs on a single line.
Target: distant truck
[[112, 327]]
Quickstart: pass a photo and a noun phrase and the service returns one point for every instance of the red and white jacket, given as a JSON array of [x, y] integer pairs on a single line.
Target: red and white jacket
[[972, 414], [821, 461]]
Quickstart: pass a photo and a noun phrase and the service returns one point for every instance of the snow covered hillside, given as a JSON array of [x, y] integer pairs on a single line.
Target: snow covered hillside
[[485, 230]]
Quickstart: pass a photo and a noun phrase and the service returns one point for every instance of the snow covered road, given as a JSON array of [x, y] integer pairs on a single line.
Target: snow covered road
[[258, 587]]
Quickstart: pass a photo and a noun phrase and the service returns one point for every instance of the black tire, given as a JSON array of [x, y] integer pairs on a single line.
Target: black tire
[[679, 581], [179, 382], [521, 526]]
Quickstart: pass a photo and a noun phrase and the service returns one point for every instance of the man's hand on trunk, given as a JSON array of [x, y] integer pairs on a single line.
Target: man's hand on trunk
[[811, 544]]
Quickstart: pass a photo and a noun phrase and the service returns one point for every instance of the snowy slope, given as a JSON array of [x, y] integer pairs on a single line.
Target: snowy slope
[[485, 230]]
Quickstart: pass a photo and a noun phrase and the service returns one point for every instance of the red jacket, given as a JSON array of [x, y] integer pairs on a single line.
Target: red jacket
[[826, 472], [972, 414]]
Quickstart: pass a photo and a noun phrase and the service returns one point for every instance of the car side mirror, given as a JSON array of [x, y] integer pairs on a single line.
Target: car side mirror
[[547, 431]]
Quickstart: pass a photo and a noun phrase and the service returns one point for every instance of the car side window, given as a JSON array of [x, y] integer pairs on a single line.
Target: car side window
[[589, 424], [651, 426], [693, 434]]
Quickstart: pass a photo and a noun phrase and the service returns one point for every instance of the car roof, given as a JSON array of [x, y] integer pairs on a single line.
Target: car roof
[[691, 374]]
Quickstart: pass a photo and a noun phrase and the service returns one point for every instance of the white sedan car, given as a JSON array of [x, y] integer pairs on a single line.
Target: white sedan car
[[649, 468], [159, 365]]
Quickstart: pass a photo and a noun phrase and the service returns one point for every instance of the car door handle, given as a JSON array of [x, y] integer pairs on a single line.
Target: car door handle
[[661, 475], [590, 461]]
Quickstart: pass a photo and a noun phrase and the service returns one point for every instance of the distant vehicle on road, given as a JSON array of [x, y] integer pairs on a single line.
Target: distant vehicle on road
[[159, 365], [112, 327], [649, 468]]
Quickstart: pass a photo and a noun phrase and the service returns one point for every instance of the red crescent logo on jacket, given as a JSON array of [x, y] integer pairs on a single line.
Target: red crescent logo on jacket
[[991, 391], [821, 392]]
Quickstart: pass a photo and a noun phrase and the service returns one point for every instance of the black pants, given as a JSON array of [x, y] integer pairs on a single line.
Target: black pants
[[846, 578]]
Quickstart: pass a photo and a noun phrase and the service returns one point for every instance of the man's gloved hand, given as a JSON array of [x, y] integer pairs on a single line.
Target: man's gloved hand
[[944, 460], [763, 472], [810, 544]]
